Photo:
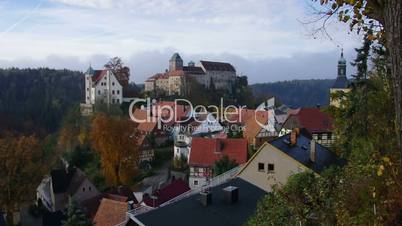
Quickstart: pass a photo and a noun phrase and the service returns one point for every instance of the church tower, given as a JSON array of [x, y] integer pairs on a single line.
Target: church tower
[[341, 83], [341, 66], [175, 62]]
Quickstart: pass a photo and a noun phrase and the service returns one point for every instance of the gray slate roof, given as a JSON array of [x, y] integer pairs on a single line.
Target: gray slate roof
[[301, 153], [189, 211], [217, 66]]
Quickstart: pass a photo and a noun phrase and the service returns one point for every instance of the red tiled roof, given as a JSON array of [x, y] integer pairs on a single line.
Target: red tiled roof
[[110, 212], [245, 114], [176, 188], [165, 75], [313, 119], [205, 151], [179, 110], [90, 206], [149, 125], [253, 125], [98, 75]]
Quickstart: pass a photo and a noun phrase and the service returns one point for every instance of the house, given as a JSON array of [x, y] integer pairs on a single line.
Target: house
[[148, 126], [174, 81], [181, 147], [103, 86], [317, 123], [55, 189], [205, 151], [111, 212], [121, 194], [292, 153], [147, 153], [341, 83], [256, 125], [230, 203], [160, 196]]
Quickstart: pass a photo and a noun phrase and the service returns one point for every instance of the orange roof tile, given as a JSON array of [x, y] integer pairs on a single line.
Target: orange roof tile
[[110, 213]]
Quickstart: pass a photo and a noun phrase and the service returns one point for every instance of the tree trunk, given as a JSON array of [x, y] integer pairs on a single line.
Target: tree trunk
[[393, 28]]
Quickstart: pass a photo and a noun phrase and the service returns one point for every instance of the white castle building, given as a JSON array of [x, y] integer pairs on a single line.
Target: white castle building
[[103, 87]]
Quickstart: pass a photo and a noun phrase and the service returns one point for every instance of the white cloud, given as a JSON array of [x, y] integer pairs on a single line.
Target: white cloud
[[257, 32]]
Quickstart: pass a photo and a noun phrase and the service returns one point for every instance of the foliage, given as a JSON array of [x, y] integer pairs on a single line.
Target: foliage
[[74, 216], [121, 72], [367, 191], [23, 164], [180, 163], [295, 93], [79, 157], [223, 165], [36, 100], [305, 199], [115, 140]]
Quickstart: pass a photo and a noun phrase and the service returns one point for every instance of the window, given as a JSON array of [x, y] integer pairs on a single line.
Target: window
[[271, 168], [105, 77], [319, 136], [83, 189], [118, 101], [99, 92], [112, 83], [261, 167], [196, 182], [113, 101], [329, 136], [89, 188], [87, 89], [112, 91], [118, 91]]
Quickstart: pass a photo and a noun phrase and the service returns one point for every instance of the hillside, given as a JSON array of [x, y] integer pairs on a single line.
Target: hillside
[[296, 93], [35, 100]]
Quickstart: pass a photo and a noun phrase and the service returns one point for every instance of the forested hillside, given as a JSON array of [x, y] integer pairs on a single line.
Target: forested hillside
[[296, 93], [35, 100]]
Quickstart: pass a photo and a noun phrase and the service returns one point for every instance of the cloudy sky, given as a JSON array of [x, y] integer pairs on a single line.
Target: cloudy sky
[[264, 39]]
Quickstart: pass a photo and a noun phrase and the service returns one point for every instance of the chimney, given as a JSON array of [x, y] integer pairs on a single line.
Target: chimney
[[231, 194], [312, 151], [206, 198], [130, 205]]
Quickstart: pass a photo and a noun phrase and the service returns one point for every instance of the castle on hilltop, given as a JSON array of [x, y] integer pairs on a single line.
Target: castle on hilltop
[[207, 73]]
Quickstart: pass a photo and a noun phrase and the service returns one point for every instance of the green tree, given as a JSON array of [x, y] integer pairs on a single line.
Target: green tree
[[383, 18], [74, 216], [223, 165], [305, 198]]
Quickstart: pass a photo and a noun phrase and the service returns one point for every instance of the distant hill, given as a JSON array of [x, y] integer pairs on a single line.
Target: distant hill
[[296, 93], [36, 100]]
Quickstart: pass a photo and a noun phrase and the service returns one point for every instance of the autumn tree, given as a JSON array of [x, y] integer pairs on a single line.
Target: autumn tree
[[384, 17], [115, 139], [22, 166], [121, 72]]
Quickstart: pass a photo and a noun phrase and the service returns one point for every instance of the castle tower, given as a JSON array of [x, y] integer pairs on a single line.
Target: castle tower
[[341, 83], [175, 62]]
